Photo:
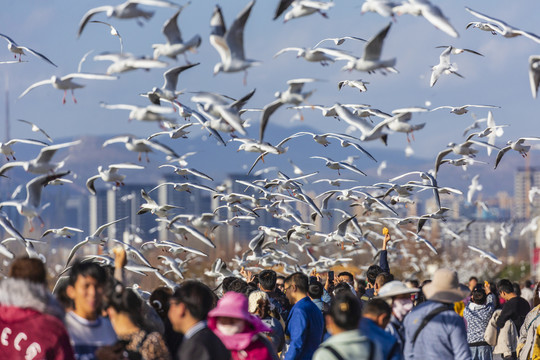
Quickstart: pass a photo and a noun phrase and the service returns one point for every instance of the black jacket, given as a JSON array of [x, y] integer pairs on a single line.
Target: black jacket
[[203, 345]]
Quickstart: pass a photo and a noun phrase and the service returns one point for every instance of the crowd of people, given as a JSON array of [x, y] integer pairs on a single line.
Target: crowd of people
[[94, 315]]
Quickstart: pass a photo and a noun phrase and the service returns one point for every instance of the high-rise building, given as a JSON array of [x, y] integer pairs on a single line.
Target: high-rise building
[[524, 180]]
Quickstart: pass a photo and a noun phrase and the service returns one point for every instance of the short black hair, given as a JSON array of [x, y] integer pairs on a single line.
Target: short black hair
[[377, 307], [528, 284], [226, 283], [315, 290], [517, 289], [159, 300], [473, 278], [345, 310], [124, 300], [197, 297], [300, 280], [280, 277], [239, 286], [342, 287], [506, 286], [87, 268], [478, 295], [346, 273], [372, 273], [383, 278], [267, 279]]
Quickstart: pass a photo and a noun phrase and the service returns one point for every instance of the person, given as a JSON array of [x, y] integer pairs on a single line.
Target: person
[[125, 311], [374, 270], [315, 293], [515, 308], [280, 283], [398, 296], [527, 333], [240, 331], [305, 323], [380, 280], [159, 300], [348, 278], [432, 329], [267, 283], [477, 314], [259, 304], [503, 340], [346, 342], [188, 309], [375, 318], [527, 293], [26, 330], [87, 329]]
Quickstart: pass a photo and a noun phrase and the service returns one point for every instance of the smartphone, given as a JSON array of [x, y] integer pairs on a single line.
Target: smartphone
[[331, 276]]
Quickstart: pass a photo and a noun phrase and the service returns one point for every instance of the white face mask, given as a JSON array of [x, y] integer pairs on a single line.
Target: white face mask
[[230, 329], [401, 307]]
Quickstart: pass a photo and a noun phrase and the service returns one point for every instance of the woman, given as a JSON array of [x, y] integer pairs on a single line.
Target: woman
[[527, 333], [259, 304], [239, 330], [477, 315], [125, 310]]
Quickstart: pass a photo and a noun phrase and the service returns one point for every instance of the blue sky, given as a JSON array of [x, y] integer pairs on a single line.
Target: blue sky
[[499, 78]]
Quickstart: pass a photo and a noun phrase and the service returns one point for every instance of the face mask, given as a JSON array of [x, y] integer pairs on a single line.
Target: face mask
[[401, 307], [231, 329]]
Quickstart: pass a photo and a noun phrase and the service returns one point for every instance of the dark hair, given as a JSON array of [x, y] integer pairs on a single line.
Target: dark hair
[[473, 278], [29, 269], [346, 311], [315, 290], [159, 300], [383, 278], [226, 283], [377, 307], [342, 287], [239, 286], [517, 289], [197, 297], [478, 295], [536, 298], [346, 273], [86, 269], [506, 286], [124, 300], [267, 279], [280, 277], [372, 273], [528, 284], [300, 280]]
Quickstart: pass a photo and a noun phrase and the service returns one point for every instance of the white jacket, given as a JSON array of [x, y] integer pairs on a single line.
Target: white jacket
[[504, 341]]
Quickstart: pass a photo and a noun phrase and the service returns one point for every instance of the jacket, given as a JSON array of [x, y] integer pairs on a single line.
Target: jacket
[[384, 340], [305, 327], [203, 345], [477, 318], [527, 333], [444, 337], [350, 345], [503, 340], [25, 331]]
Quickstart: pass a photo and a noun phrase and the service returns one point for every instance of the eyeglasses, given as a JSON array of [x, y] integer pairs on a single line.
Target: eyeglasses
[[287, 288]]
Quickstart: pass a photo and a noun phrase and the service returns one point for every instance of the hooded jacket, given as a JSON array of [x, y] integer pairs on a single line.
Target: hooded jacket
[[350, 345], [25, 331]]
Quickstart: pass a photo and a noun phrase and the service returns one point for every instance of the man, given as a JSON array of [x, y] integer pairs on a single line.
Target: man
[[267, 283], [189, 307], [433, 330], [515, 308], [27, 331], [305, 324], [347, 278], [87, 329], [280, 283], [375, 318], [380, 280], [374, 270], [315, 293]]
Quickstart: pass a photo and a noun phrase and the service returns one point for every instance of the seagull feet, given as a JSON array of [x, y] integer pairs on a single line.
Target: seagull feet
[[64, 98]]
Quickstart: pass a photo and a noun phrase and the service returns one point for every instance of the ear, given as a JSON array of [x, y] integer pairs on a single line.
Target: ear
[[70, 292], [182, 309]]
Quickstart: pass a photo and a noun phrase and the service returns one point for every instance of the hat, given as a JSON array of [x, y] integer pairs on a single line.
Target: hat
[[445, 287], [395, 288], [235, 305]]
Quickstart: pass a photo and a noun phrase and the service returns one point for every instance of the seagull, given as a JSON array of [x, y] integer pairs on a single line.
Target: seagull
[[431, 13], [65, 83], [457, 51], [183, 230], [148, 113], [124, 62], [95, 238], [339, 40], [110, 175], [42, 163], [184, 171], [361, 124], [140, 145], [517, 146], [534, 73], [460, 110], [337, 165], [400, 122], [126, 10], [444, 67], [30, 207], [421, 239], [152, 206], [65, 231], [5, 148], [175, 44], [486, 254], [461, 149], [473, 187], [483, 26], [114, 32], [382, 7], [36, 128], [307, 7], [293, 95], [321, 55], [504, 231], [185, 186], [230, 43], [175, 133], [533, 191], [168, 90], [503, 28], [19, 50], [370, 60], [334, 182], [6, 223], [359, 84], [173, 247]]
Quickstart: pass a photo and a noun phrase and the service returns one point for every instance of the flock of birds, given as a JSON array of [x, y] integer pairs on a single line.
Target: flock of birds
[[369, 208]]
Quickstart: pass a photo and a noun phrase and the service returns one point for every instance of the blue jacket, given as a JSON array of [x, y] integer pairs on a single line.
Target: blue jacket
[[444, 337], [305, 328], [386, 341]]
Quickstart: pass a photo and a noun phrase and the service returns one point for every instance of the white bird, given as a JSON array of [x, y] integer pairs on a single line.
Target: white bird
[[140, 145], [175, 133], [126, 10], [184, 230], [339, 40], [337, 165], [504, 231], [36, 128], [65, 231], [320, 55], [421, 239], [517, 146], [457, 51], [175, 45], [302, 8], [486, 254], [464, 148], [110, 175], [444, 67], [359, 84], [460, 110], [153, 207], [19, 50], [5, 148], [185, 186], [382, 7], [66, 83], [147, 113], [114, 32], [383, 165], [6, 223], [184, 171], [400, 122], [361, 124], [230, 43], [168, 90], [533, 191], [534, 73], [473, 188], [30, 207], [124, 62]]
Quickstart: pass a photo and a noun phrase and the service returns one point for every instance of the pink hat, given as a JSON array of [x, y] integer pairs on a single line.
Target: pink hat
[[235, 305]]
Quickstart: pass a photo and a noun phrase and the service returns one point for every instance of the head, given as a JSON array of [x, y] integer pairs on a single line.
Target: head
[[122, 303], [226, 283], [296, 287], [280, 282], [159, 300], [190, 304], [372, 273], [380, 280], [473, 281], [344, 314], [267, 280], [259, 304], [346, 277], [29, 269], [85, 288], [342, 287], [506, 289], [517, 288], [218, 68], [478, 295], [238, 286], [315, 290], [379, 311]]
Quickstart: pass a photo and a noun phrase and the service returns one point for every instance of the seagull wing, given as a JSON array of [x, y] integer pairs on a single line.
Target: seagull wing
[[282, 6], [268, 110], [235, 35], [90, 184], [35, 53], [500, 25], [500, 154], [89, 76], [297, 49], [171, 76], [34, 187], [198, 235], [373, 48], [46, 153], [171, 30], [35, 85], [104, 226], [198, 173], [34, 127], [86, 17], [10, 229], [203, 120], [352, 168]]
